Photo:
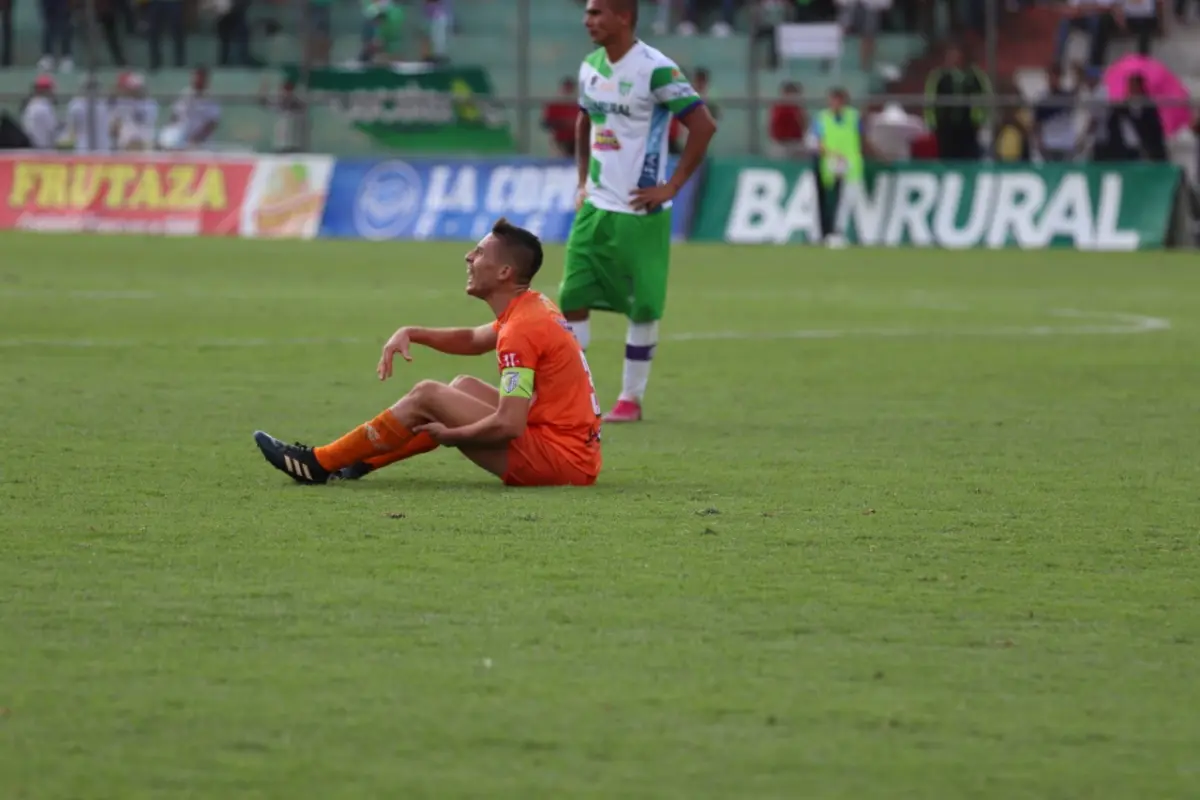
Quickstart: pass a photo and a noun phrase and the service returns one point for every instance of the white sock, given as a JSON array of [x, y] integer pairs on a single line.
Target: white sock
[[639, 349], [582, 331]]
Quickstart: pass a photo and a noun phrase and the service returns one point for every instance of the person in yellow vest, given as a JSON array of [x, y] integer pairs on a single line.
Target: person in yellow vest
[[841, 147]]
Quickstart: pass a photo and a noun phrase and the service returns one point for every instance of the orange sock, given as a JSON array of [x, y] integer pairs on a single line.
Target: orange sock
[[421, 443], [381, 435]]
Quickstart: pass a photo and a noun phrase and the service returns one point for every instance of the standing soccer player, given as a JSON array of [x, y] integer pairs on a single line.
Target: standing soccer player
[[619, 248]]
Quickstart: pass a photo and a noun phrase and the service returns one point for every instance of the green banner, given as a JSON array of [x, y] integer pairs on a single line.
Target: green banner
[[1119, 206], [416, 108]]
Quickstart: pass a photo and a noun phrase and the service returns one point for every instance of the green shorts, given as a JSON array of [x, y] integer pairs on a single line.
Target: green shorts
[[617, 262]]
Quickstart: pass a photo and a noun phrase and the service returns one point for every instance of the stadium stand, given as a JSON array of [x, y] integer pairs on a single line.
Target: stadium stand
[[486, 34]]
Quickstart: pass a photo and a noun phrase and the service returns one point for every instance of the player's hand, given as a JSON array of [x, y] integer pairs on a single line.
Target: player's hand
[[439, 432], [652, 197], [580, 197], [398, 343]]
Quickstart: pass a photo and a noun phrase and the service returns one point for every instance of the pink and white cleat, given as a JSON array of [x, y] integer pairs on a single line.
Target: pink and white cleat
[[625, 411]]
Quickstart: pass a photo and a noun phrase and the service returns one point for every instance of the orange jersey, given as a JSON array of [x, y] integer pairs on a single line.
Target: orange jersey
[[535, 345]]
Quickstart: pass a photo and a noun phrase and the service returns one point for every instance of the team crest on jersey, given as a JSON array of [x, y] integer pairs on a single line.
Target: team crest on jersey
[[606, 139], [625, 87]]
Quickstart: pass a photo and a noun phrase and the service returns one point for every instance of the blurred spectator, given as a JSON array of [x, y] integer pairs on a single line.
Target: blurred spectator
[[135, 116], [166, 16], [891, 132], [12, 137], [924, 148], [383, 32], [1011, 144], [233, 34], [1196, 178], [1011, 141], [768, 15], [6, 32], [1054, 132], [39, 118], [1091, 16], [862, 17], [675, 138], [662, 19], [1135, 129], [839, 138], [56, 36], [956, 126], [106, 15], [438, 22], [289, 121], [1139, 17], [559, 118], [88, 127], [692, 8], [789, 125], [194, 117], [700, 82], [1091, 97], [320, 30], [128, 14]]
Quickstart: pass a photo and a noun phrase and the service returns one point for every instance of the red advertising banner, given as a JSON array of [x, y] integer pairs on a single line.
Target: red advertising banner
[[174, 196]]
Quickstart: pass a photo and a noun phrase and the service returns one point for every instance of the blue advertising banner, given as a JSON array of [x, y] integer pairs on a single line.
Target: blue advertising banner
[[459, 199]]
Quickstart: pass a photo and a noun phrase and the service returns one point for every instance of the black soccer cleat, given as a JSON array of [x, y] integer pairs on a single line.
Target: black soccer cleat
[[297, 460], [352, 472]]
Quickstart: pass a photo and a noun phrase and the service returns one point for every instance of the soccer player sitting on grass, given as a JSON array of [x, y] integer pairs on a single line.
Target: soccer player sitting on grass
[[541, 427]]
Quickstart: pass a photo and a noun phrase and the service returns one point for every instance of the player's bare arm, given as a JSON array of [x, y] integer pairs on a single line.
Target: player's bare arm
[[498, 428], [452, 341], [701, 128], [583, 153]]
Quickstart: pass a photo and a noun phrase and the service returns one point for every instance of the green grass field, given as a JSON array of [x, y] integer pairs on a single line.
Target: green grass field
[[899, 524]]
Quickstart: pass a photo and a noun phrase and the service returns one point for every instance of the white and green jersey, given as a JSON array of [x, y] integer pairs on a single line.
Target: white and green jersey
[[630, 104]]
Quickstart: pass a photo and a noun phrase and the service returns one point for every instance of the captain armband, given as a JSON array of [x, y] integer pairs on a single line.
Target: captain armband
[[516, 382]]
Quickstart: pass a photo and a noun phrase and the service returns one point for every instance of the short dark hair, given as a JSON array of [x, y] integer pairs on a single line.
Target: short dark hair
[[700, 74], [629, 7], [520, 245]]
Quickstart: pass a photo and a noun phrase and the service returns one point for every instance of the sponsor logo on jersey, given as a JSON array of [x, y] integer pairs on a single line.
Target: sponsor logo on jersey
[[388, 201], [606, 139], [595, 107]]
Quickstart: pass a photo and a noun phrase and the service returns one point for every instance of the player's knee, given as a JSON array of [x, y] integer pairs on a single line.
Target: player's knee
[[424, 391], [578, 315], [462, 380]]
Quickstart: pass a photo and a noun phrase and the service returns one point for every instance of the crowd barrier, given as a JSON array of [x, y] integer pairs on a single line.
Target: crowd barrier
[[1100, 206], [737, 201]]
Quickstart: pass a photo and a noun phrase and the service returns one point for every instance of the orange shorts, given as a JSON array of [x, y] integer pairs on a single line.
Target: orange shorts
[[536, 460]]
